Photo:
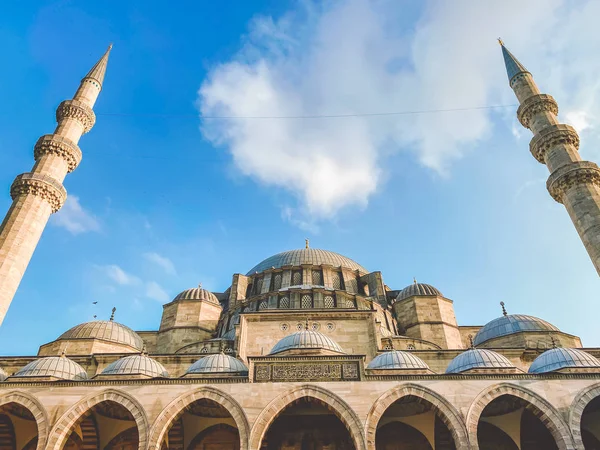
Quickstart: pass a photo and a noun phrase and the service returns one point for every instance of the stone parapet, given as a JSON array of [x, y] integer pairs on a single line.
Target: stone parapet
[[40, 185], [551, 136], [534, 105], [59, 146], [577, 173], [74, 109]]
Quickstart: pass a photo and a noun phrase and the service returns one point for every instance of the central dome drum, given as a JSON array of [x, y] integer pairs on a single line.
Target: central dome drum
[[312, 256]]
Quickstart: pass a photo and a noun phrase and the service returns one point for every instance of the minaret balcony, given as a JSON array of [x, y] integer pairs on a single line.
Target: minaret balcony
[[74, 109], [575, 174], [535, 105], [52, 144], [40, 185], [559, 134]]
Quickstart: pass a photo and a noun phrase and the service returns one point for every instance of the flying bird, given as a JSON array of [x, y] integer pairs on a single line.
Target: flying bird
[[93, 303]]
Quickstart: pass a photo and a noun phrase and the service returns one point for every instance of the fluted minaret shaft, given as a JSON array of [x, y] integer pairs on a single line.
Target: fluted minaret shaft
[[572, 182], [39, 193]]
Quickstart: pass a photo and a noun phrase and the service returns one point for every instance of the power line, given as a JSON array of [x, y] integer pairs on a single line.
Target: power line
[[315, 116]]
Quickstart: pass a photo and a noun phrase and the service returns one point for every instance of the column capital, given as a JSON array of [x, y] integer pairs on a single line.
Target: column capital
[[551, 136], [40, 185], [59, 146], [536, 104], [74, 109], [574, 174]]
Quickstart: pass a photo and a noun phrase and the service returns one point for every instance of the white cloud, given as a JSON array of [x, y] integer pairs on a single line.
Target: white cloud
[[156, 292], [119, 276], [163, 262], [74, 218], [351, 56]]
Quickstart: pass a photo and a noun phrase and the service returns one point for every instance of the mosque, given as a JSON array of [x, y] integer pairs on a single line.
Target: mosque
[[308, 349]]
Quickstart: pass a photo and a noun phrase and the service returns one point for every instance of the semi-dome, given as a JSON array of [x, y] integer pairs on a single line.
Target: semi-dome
[[397, 359], [53, 366], [136, 365], [563, 358], [306, 339], [197, 294], [219, 363], [312, 256], [107, 330], [478, 358], [417, 289], [510, 324]]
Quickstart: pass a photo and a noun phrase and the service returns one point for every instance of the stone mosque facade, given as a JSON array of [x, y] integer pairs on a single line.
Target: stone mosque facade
[[308, 350]]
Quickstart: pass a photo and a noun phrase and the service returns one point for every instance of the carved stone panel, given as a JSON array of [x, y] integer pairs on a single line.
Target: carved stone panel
[[306, 371]]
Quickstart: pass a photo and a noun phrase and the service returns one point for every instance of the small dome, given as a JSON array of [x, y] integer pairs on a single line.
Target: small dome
[[563, 358], [136, 365], [417, 289], [301, 256], [106, 330], [510, 324], [306, 339], [397, 359], [197, 294], [477, 358], [53, 366], [219, 363]]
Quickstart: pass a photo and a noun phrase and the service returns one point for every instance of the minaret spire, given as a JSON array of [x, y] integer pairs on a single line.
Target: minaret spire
[[39, 193], [572, 182]]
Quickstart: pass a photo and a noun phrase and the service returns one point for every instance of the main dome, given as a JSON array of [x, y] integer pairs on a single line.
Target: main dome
[[510, 324], [313, 256], [106, 330]]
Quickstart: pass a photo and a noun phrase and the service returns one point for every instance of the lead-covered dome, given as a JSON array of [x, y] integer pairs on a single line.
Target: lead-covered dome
[[305, 340], [197, 294], [53, 366], [312, 256], [136, 365], [397, 359], [563, 358], [107, 330], [478, 358], [219, 363], [418, 289], [511, 324]]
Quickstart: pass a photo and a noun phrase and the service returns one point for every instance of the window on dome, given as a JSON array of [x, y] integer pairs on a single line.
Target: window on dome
[[307, 301], [258, 285], [296, 278], [276, 282], [317, 278], [337, 281], [349, 303], [263, 305], [329, 301], [284, 302]]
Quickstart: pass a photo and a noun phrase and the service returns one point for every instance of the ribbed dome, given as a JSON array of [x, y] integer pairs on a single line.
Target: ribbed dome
[[306, 339], [106, 330], [417, 289], [197, 294], [313, 256], [477, 358], [397, 359], [136, 365], [53, 366], [510, 324], [219, 363], [3, 374], [562, 358]]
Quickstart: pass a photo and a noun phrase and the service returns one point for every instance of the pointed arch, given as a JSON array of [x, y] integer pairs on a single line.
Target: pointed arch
[[177, 407], [539, 406], [35, 407], [338, 406], [447, 413], [582, 399], [61, 430]]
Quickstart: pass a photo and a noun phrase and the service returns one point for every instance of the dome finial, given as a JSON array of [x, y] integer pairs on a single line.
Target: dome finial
[[63, 352], [504, 313], [200, 285], [306, 243], [553, 341], [471, 345], [415, 280], [306, 324], [112, 315], [144, 351]]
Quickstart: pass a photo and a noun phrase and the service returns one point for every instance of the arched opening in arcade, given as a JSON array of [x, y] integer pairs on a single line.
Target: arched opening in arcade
[[511, 423], [18, 428], [203, 425], [307, 424], [413, 423], [107, 426], [590, 425]]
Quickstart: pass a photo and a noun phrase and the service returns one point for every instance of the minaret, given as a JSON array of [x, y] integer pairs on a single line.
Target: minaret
[[572, 182], [39, 193]]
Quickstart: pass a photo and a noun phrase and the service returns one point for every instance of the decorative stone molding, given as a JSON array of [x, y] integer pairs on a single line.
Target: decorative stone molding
[[574, 174], [41, 185], [34, 406], [550, 137], [540, 407], [534, 105], [577, 408], [59, 146], [178, 406], [446, 412], [518, 77], [74, 109], [62, 428]]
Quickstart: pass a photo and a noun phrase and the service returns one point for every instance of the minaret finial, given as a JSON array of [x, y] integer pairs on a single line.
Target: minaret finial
[[112, 315], [306, 243], [504, 313], [501, 42]]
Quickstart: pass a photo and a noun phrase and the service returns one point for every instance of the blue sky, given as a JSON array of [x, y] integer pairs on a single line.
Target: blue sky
[[164, 200]]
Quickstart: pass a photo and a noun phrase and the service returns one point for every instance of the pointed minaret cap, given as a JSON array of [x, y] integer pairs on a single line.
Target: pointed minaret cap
[[513, 66], [97, 72]]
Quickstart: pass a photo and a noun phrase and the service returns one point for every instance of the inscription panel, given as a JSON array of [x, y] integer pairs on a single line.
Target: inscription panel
[[325, 371]]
